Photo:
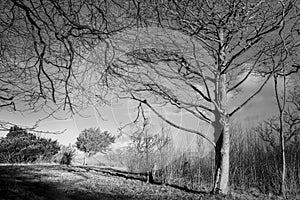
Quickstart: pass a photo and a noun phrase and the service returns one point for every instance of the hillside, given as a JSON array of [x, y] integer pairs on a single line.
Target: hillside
[[43, 182]]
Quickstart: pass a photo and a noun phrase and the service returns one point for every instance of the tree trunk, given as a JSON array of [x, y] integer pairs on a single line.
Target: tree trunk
[[221, 179], [84, 159], [222, 134], [282, 148], [149, 175], [283, 177], [281, 108]]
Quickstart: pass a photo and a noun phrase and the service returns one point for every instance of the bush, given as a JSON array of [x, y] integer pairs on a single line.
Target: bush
[[65, 156], [20, 146]]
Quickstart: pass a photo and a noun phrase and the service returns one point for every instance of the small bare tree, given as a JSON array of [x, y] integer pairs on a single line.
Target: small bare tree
[[146, 146], [284, 128]]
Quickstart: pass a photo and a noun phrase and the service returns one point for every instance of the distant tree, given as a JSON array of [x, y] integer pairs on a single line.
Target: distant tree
[[92, 141], [21, 146]]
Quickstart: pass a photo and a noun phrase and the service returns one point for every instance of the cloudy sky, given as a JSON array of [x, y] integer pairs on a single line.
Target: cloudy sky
[[122, 112]]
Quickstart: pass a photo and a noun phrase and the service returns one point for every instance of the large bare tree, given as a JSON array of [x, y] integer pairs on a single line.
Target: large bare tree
[[192, 54], [46, 56]]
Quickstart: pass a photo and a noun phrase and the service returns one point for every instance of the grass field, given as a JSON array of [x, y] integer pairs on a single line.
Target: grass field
[[54, 182]]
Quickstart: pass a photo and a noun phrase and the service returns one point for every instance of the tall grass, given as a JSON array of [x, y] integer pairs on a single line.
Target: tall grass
[[253, 164]]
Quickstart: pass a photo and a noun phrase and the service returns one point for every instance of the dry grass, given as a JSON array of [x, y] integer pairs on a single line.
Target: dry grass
[[36, 182], [254, 166]]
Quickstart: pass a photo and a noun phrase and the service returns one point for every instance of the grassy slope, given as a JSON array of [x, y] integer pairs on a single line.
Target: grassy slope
[[35, 182]]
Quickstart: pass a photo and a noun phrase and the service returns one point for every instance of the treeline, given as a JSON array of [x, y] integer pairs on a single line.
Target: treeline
[[21, 146]]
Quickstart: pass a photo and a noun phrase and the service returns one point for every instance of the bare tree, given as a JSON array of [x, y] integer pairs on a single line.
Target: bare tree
[[282, 56], [192, 54], [281, 105], [46, 56], [146, 145], [284, 128]]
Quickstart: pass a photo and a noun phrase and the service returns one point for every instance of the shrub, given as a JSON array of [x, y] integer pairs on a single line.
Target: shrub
[[20, 146], [66, 155]]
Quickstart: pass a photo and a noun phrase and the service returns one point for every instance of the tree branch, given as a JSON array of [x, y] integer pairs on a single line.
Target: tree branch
[[173, 124], [251, 97]]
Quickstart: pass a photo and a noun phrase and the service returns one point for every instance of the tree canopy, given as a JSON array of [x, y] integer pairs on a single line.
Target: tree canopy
[[93, 140]]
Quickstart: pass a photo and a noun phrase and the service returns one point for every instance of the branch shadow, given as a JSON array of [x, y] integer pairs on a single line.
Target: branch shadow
[[18, 182], [138, 176]]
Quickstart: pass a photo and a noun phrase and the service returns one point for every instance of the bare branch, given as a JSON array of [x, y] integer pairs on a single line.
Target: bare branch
[[173, 124]]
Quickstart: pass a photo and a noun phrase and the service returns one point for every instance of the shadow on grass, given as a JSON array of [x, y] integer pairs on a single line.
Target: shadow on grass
[[22, 183], [137, 176]]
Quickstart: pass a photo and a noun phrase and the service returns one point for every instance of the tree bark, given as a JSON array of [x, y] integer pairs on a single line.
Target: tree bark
[[221, 178], [281, 109], [84, 159], [283, 177], [222, 134]]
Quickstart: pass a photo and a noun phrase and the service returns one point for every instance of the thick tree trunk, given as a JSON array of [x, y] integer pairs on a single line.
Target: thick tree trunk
[[221, 179], [222, 135]]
